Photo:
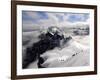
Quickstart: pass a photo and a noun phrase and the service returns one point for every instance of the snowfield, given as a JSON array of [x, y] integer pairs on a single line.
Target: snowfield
[[63, 57], [79, 46]]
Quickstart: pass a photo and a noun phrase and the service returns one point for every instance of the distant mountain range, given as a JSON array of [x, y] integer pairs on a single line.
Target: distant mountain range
[[69, 26]]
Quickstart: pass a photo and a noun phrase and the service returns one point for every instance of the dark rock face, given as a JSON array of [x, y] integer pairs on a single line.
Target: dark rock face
[[47, 42]]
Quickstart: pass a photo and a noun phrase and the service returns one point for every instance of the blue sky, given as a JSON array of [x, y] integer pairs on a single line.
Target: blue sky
[[37, 18], [72, 17]]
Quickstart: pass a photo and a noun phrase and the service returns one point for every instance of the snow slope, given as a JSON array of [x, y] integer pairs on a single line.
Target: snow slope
[[63, 57]]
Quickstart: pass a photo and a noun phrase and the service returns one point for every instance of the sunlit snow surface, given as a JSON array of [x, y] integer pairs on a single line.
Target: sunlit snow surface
[[63, 57]]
